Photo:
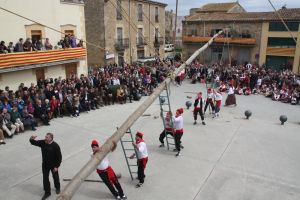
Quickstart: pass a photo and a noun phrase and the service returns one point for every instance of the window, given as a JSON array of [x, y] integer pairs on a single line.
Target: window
[[140, 12], [156, 33], [69, 32], [279, 26], [178, 30], [156, 14], [140, 36], [119, 34], [281, 42], [119, 10]]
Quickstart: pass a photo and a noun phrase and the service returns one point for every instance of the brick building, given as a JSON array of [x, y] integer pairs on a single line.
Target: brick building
[[127, 29], [257, 37]]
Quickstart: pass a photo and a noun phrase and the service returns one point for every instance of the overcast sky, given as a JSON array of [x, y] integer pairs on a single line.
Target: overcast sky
[[250, 5]]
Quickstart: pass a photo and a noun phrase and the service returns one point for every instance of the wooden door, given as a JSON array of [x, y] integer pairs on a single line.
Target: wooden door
[[71, 69], [40, 74]]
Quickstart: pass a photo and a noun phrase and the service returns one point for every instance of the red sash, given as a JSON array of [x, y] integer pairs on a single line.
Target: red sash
[[144, 162], [111, 174], [179, 131]]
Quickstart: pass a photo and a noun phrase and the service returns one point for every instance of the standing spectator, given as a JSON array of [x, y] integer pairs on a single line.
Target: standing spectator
[[107, 174], [218, 98], [19, 46], [27, 46], [73, 41], [142, 156], [52, 157], [80, 43], [39, 45], [3, 48], [48, 45], [10, 47]]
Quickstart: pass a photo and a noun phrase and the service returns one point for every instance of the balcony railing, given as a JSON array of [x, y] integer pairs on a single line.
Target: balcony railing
[[158, 41], [196, 39], [40, 57], [276, 51], [122, 44], [73, 1], [141, 41]]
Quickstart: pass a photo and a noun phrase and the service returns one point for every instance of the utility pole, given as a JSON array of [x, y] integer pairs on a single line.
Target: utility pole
[[174, 34]]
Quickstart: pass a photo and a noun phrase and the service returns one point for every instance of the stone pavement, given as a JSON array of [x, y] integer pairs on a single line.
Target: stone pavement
[[230, 158]]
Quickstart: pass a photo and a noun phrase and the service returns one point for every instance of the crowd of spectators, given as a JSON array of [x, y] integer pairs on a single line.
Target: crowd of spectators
[[69, 41], [38, 103], [247, 79]]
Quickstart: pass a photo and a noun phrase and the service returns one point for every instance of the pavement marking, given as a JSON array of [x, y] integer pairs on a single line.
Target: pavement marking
[[217, 162]]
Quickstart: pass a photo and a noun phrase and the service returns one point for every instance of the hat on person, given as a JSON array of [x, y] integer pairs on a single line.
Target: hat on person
[[95, 143], [180, 110], [140, 134]]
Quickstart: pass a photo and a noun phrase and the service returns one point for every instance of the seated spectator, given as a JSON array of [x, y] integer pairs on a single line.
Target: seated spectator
[[16, 120], [3, 48], [121, 95], [7, 125], [19, 46], [1, 135], [80, 43], [28, 119], [10, 47], [27, 46], [41, 112], [48, 45]]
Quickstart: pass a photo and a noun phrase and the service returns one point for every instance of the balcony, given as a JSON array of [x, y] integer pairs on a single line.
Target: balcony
[[158, 41], [278, 51], [32, 59], [122, 44], [141, 41], [238, 41]]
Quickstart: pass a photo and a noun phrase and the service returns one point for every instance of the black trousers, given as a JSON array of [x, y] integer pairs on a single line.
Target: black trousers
[[178, 141], [200, 113], [211, 105], [141, 171], [46, 171], [164, 134], [105, 179]]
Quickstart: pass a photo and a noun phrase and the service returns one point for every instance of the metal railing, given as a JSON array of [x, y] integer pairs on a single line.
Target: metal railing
[[121, 44], [141, 41]]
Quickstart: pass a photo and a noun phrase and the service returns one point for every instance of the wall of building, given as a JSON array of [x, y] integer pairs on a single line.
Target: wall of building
[[130, 31], [94, 17], [52, 13]]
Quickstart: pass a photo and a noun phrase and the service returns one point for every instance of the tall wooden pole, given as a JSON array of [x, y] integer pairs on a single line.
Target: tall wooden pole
[[91, 165]]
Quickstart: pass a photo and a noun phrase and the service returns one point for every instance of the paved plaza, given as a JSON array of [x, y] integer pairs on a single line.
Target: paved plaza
[[230, 158]]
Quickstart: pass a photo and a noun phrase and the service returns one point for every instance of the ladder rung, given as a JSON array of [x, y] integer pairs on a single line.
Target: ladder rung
[[133, 165], [129, 149], [127, 141]]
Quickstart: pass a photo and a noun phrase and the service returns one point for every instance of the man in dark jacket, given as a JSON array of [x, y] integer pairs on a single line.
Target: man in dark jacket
[[52, 157]]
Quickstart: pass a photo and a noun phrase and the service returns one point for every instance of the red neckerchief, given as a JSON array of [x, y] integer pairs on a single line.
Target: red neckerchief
[[139, 140]]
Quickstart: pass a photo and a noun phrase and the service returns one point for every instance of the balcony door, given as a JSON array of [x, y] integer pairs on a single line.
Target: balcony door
[[40, 73], [120, 35], [36, 35], [71, 69]]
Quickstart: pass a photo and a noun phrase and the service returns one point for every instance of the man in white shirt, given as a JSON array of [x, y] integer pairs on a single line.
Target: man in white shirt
[[142, 156], [178, 128], [107, 174]]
